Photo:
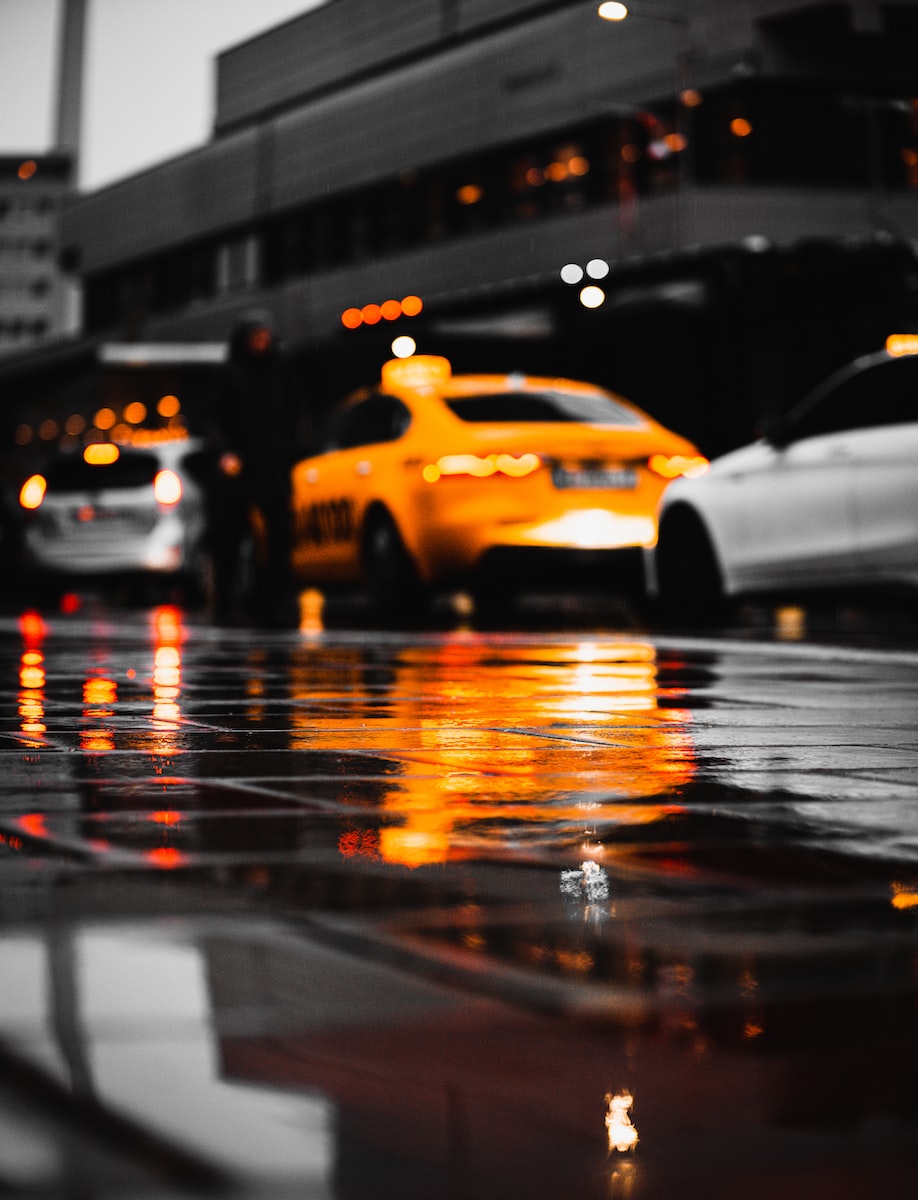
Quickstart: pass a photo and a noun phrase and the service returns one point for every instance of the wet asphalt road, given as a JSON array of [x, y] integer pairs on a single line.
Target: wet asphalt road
[[344, 912]]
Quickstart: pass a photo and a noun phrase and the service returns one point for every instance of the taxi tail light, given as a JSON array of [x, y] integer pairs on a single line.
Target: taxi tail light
[[671, 466], [32, 492], [167, 487], [477, 466]]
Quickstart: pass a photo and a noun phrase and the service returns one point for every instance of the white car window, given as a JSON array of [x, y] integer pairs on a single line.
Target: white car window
[[885, 393]]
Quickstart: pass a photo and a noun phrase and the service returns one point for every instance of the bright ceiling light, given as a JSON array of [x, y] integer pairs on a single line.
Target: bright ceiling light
[[592, 296], [612, 11]]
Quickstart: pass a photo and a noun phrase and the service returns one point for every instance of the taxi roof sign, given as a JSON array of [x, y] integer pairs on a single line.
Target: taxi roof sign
[[420, 370]]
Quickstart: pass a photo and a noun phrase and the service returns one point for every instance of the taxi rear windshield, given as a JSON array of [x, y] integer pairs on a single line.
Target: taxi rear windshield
[[588, 408], [77, 475]]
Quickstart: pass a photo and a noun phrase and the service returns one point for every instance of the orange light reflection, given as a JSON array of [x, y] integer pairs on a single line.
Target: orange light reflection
[[620, 1131], [500, 747], [168, 637], [165, 857], [904, 895]]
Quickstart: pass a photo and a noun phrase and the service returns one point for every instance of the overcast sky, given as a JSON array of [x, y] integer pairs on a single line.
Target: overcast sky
[[148, 91]]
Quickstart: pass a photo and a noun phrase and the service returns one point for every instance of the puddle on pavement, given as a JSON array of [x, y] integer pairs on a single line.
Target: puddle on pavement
[[125, 1020], [552, 822]]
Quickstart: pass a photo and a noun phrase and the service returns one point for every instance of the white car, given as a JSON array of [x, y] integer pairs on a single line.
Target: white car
[[119, 510], [828, 499]]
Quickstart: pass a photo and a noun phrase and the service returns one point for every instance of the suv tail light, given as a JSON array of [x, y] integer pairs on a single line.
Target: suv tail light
[[167, 487], [32, 492]]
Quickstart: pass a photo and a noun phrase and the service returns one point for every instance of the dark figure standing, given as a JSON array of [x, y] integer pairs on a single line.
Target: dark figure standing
[[253, 425]]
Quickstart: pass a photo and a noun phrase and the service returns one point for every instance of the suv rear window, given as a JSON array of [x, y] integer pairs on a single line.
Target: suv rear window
[[590, 408], [76, 475]]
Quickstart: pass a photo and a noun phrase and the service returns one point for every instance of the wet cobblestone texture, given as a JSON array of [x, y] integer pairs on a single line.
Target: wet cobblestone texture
[[452, 914]]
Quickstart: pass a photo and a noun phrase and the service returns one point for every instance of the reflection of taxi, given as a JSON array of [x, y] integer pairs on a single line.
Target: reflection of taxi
[[433, 478], [462, 782]]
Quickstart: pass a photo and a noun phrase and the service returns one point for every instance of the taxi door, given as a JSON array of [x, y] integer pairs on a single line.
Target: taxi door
[[331, 490]]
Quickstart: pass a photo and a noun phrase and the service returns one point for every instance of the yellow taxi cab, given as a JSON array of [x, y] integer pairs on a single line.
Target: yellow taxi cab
[[496, 482]]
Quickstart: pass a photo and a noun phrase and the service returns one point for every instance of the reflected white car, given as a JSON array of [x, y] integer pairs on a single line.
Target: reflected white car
[[828, 500]]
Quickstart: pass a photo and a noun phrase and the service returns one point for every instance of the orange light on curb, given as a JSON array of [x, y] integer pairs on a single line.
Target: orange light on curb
[[740, 127], [391, 310], [904, 896], [352, 318], [411, 305], [371, 313]]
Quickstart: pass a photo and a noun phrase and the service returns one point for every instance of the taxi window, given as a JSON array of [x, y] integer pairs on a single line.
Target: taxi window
[[377, 419], [589, 408], [883, 394]]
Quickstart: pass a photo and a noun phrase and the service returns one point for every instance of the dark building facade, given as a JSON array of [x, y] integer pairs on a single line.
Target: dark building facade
[[33, 289], [747, 169]]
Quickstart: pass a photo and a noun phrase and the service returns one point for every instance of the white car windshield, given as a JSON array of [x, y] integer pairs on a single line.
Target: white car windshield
[[76, 475]]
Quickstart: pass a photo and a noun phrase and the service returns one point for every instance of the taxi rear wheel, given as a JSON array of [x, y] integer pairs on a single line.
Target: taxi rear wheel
[[391, 577]]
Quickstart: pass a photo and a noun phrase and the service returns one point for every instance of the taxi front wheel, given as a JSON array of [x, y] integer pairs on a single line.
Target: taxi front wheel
[[391, 576]]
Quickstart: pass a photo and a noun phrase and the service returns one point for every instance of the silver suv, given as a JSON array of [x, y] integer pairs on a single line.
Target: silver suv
[[119, 511]]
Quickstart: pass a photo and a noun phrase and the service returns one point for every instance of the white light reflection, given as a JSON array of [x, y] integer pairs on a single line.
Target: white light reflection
[[620, 1130], [596, 528], [590, 883]]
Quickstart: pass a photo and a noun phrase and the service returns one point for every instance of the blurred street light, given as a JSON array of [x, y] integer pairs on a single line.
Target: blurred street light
[[591, 296], [613, 11], [678, 142]]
